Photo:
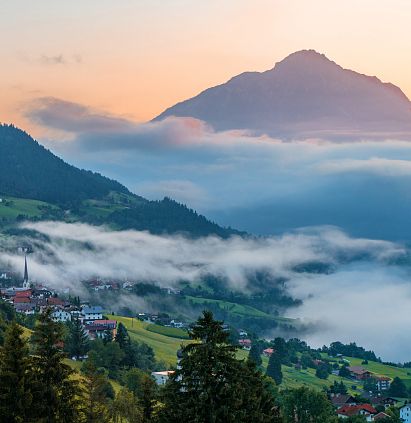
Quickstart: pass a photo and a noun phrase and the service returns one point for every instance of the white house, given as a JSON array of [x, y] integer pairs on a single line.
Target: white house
[[383, 383], [92, 313], [405, 413], [161, 378], [61, 316]]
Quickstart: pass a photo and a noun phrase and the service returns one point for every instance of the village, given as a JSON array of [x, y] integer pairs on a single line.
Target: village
[[33, 298]]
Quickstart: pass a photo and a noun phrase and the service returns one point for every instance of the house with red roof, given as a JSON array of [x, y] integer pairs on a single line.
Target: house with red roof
[[366, 410], [23, 294], [99, 328], [21, 300], [268, 352], [55, 301]]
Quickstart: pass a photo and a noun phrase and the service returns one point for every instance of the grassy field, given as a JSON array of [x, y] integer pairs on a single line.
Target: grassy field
[[108, 205], [234, 308], [165, 347], [11, 207], [167, 331], [165, 343], [293, 378], [383, 370]]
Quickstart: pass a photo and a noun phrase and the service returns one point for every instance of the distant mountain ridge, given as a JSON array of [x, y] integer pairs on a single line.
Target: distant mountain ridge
[[30, 171], [304, 94]]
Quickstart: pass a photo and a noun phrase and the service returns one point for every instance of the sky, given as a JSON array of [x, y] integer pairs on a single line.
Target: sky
[[134, 58], [86, 77]]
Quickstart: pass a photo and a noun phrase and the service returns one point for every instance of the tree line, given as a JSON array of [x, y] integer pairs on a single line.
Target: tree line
[[210, 384]]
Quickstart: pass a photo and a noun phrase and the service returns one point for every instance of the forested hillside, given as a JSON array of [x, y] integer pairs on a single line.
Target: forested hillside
[[28, 170], [37, 185]]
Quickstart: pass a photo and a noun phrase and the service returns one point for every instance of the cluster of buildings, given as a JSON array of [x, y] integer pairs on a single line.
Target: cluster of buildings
[[246, 343], [348, 406], [382, 383], [30, 299]]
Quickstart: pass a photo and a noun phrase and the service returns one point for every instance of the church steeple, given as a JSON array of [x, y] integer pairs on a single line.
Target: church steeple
[[26, 283]]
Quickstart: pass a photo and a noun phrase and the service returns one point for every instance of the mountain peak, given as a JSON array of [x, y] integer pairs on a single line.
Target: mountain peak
[[303, 55], [305, 94], [306, 61]]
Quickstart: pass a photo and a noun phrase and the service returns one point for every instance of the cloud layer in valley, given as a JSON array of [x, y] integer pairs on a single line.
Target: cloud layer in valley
[[234, 176], [365, 277]]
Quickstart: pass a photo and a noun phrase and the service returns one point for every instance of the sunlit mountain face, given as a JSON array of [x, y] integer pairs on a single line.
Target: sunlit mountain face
[[306, 94]]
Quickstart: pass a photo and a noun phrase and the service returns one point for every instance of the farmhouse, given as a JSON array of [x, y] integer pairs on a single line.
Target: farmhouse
[[99, 328], [365, 410], [341, 400], [359, 373], [378, 400]]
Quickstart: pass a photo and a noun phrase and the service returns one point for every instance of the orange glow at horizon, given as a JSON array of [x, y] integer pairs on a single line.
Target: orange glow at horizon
[[137, 58]]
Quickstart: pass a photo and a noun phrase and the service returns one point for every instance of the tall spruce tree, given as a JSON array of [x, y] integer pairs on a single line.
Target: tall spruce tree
[[148, 398], [95, 405], [255, 354], [57, 396], [274, 368], [15, 387], [77, 340], [212, 386], [122, 336]]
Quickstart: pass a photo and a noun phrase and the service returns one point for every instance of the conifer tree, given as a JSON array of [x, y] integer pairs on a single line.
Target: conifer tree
[[212, 386], [15, 388], [122, 337], [255, 355], [3, 328], [57, 396], [77, 342], [148, 397], [95, 405], [126, 409], [274, 368]]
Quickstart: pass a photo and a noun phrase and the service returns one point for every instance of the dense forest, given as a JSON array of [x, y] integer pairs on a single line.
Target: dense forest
[[29, 171]]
